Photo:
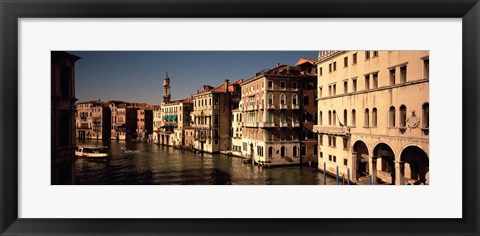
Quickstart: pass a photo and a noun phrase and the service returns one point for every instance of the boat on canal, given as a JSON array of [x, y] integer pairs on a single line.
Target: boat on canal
[[91, 151]]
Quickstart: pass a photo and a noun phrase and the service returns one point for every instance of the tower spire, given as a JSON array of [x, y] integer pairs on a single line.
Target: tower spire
[[166, 89]]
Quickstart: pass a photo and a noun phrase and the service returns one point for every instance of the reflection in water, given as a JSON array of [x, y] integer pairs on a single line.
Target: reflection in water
[[145, 164]]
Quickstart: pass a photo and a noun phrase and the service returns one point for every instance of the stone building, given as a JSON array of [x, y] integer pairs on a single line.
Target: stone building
[[236, 132], [84, 120], [93, 120], [101, 121], [113, 114], [144, 122], [189, 137], [62, 162], [174, 116], [126, 122], [211, 116], [157, 124], [373, 115], [279, 113]]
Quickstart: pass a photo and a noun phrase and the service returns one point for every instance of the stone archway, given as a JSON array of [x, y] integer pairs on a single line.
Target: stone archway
[[360, 156], [386, 157], [416, 165]]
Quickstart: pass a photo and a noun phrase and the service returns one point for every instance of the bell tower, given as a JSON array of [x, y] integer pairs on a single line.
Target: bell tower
[[166, 89]]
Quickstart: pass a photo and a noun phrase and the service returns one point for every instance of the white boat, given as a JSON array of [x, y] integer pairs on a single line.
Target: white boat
[[92, 151]]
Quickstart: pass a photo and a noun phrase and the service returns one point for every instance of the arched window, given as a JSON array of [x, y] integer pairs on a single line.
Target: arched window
[[345, 117], [403, 116], [367, 118], [270, 152], [329, 117], [270, 117], [320, 118], [270, 99], [354, 118], [283, 116], [282, 99], [374, 117], [294, 99], [305, 100], [283, 150], [65, 81], [294, 151], [425, 116], [391, 117], [334, 118]]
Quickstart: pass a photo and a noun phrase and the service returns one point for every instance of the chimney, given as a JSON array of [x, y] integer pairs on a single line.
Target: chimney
[[226, 86], [278, 64]]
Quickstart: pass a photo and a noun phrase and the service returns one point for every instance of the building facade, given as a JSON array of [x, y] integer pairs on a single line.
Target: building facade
[[101, 121], [126, 122], [84, 120], [62, 161], [144, 122], [373, 115], [174, 117], [211, 116], [236, 132], [278, 115]]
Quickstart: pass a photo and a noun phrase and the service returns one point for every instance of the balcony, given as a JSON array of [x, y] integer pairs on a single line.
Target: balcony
[[201, 126], [284, 124], [249, 108], [336, 130], [260, 107], [283, 106], [295, 106], [295, 124], [270, 106], [251, 124], [266, 124]]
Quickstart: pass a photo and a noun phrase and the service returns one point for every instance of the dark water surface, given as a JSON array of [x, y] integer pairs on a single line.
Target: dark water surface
[[151, 164]]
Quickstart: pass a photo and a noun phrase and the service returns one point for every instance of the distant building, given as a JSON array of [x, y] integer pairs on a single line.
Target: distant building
[[236, 132], [101, 122], [279, 114], [126, 124], [211, 116], [62, 162], [113, 111], [93, 120], [174, 116], [171, 119], [144, 122], [374, 115], [188, 133], [157, 124]]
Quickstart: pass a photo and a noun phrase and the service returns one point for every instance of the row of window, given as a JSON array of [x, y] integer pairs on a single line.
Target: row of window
[[333, 66], [333, 158], [372, 81], [283, 151], [203, 102], [332, 117]]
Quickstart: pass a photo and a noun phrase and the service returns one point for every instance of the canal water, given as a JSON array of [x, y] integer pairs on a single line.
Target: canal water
[[145, 164]]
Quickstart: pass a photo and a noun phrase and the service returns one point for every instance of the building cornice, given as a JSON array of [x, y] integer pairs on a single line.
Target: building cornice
[[376, 89]]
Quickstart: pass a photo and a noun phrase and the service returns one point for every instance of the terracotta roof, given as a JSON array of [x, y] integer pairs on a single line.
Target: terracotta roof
[[303, 60], [231, 87]]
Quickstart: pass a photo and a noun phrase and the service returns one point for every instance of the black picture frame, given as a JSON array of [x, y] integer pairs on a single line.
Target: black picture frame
[[11, 11]]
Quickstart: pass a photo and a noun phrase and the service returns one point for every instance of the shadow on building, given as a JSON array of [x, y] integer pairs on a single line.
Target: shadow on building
[[63, 118]]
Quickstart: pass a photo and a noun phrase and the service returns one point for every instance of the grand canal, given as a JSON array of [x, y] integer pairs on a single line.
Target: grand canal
[[147, 164]]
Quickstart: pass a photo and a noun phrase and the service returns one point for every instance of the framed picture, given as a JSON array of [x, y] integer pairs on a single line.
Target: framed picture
[[41, 193]]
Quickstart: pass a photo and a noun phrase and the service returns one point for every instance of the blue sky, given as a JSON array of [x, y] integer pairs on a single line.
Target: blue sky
[[137, 76]]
